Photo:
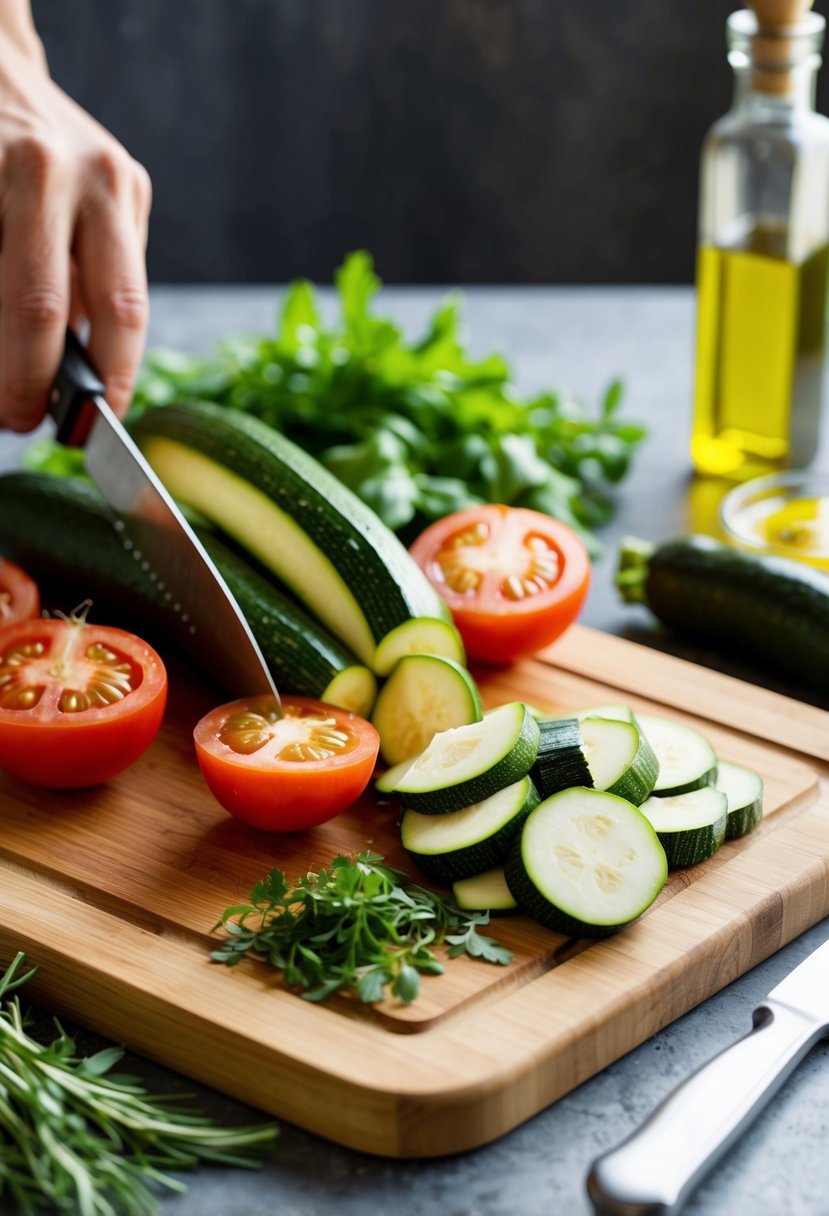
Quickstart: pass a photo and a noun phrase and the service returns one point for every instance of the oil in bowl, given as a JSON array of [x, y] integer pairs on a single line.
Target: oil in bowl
[[786, 514]]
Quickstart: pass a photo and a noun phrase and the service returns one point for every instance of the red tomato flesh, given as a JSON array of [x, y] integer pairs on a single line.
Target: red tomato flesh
[[19, 596], [289, 773], [78, 702], [514, 579]]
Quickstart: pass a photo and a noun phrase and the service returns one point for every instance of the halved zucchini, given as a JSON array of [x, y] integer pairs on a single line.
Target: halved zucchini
[[420, 635], [743, 789], [470, 763], [586, 863], [487, 892], [424, 694], [465, 842], [691, 826], [687, 761]]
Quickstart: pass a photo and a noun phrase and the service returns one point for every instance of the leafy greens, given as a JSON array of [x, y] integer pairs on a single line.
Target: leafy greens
[[417, 429]]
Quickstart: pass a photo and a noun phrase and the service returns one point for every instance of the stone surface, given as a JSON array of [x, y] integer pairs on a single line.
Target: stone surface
[[580, 339]]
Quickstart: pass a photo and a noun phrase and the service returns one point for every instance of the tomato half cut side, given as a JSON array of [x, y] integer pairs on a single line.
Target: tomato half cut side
[[514, 579], [19, 596], [79, 703], [285, 773]]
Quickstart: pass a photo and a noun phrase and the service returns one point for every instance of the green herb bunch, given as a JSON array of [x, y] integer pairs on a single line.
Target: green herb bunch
[[358, 925], [75, 1140], [418, 429]]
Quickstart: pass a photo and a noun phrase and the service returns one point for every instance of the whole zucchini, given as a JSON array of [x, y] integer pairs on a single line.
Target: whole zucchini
[[772, 610], [57, 529]]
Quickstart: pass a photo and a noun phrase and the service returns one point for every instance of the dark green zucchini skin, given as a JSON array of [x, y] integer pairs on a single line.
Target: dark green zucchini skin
[[771, 610], [58, 530]]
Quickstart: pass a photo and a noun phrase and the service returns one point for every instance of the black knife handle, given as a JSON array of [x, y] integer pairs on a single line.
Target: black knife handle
[[75, 382]]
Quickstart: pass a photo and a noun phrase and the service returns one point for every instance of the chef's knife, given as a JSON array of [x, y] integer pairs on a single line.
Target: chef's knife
[[655, 1169], [154, 529]]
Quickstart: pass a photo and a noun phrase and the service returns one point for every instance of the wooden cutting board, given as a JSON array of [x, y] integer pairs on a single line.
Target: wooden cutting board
[[112, 894]]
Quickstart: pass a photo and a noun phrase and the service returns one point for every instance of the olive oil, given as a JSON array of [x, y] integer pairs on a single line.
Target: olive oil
[[760, 348]]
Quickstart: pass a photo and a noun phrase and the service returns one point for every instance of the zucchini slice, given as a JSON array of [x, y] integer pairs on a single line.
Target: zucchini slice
[[388, 781], [354, 689], [691, 826], [605, 753], [586, 863], [423, 695], [294, 516], [743, 789], [470, 763], [420, 635], [487, 892], [614, 713], [687, 761], [463, 843]]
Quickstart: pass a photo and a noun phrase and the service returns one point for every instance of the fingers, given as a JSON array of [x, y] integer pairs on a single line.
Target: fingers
[[110, 239], [37, 210]]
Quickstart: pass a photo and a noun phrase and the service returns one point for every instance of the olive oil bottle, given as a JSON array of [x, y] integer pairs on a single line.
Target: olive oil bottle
[[763, 255]]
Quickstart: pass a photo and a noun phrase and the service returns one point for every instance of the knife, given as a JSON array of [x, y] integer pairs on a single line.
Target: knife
[[654, 1170], [153, 528]]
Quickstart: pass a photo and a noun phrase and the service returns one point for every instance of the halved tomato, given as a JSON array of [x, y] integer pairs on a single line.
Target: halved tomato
[[285, 773], [78, 702], [514, 579], [19, 596]]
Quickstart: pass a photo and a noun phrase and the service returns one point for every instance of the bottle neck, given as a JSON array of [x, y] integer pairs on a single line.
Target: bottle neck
[[780, 92], [775, 69]]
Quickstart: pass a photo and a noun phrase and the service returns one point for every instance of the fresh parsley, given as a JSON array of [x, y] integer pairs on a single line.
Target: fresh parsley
[[76, 1140], [417, 428], [357, 925]]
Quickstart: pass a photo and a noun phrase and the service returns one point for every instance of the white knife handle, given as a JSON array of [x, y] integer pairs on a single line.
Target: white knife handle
[[653, 1171]]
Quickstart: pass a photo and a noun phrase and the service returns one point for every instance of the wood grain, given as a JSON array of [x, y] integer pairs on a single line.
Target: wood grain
[[112, 892]]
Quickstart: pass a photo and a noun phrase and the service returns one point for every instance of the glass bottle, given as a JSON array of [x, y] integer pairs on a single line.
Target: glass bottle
[[763, 256]]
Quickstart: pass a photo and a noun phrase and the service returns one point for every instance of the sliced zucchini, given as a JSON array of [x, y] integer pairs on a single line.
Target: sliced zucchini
[[586, 863], [424, 694], [691, 826], [354, 689], [606, 753], [387, 782], [743, 789], [687, 761], [470, 763], [420, 635], [463, 843], [615, 713], [302, 523], [487, 892]]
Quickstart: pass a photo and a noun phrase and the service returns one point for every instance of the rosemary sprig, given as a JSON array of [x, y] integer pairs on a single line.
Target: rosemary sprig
[[75, 1140], [358, 925]]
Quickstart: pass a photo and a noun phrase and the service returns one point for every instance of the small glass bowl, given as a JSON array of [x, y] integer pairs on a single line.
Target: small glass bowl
[[786, 514]]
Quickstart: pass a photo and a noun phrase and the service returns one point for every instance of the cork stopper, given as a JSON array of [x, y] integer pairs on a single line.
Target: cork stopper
[[773, 45]]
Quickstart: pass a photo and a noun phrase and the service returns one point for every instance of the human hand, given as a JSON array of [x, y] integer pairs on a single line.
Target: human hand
[[74, 208]]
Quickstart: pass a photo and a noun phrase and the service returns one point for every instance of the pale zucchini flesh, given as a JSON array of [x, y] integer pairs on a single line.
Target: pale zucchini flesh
[[743, 789], [487, 892], [690, 826], [354, 689], [423, 695], [587, 863], [620, 758], [420, 635], [687, 761]]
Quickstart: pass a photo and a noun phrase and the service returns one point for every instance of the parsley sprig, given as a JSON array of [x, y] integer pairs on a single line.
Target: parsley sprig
[[76, 1140], [357, 925]]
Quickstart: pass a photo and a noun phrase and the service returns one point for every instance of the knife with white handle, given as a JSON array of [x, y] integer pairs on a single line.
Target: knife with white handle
[[655, 1169], [153, 528]]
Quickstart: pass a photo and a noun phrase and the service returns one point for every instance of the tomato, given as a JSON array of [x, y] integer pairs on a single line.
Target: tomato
[[287, 773], [19, 597], [78, 702], [514, 579]]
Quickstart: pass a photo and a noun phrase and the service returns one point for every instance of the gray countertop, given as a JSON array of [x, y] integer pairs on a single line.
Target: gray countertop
[[581, 339]]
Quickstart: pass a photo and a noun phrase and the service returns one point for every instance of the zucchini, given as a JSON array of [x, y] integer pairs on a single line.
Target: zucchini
[[420, 635], [773, 610], [59, 530], [466, 842], [424, 694], [470, 763], [687, 761], [604, 753], [743, 790], [586, 863], [294, 516], [487, 892], [690, 827]]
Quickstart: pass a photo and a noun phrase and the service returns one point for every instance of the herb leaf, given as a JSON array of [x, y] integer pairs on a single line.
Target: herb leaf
[[358, 925]]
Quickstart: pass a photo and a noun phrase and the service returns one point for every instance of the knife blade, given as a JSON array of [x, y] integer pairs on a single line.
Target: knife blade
[[654, 1170], [154, 530]]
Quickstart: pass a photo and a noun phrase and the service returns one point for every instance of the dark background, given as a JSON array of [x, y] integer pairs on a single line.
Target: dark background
[[479, 141]]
